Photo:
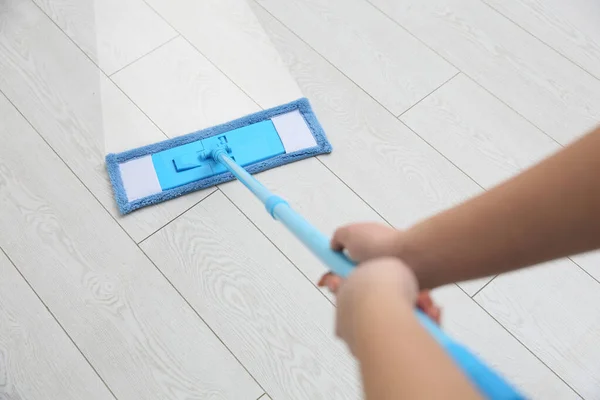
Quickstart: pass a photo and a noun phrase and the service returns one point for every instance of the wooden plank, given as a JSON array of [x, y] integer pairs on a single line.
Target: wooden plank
[[77, 110], [229, 35], [37, 359], [571, 28], [113, 33], [544, 87], [271, 317], [379, 56], [129, 322], [478, 133], [471, 325], [553, 310], [182, 91]]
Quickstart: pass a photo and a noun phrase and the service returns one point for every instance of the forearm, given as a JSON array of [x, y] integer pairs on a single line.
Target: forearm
[[398, 358], [551, 210]]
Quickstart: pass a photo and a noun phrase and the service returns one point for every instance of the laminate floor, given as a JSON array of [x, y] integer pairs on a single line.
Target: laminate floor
[[206, 297]]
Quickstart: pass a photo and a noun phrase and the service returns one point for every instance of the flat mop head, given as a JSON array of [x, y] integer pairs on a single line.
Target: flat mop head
[[174, 167]]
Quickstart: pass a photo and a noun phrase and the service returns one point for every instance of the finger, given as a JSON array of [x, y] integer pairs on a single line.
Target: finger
[[331, 282], [323, 281], [426, 304], [424, 300], [340, 238], [430, 312], [334, 283], [436, 315]]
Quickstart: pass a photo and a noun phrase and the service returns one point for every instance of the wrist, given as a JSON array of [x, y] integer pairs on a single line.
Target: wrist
[[415, 256]]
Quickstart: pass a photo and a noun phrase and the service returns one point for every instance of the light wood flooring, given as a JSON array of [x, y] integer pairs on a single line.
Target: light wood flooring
[[426, 103]]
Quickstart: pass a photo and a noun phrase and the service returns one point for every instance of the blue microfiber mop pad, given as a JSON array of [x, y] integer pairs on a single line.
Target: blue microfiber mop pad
[[113, 161]]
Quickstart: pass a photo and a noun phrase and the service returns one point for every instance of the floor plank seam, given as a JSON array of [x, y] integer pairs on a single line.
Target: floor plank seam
[[277, 247], [202, 54], [583, 269], [179, 215], [202, 319], [355, 193], [522, 344], [59, 324], [512, 109], [428, 94], [136, 106], [144, 55], [540, 40], [463, 72], [442, 154], [484, 286]]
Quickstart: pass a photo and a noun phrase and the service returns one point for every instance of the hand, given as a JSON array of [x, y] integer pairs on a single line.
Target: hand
[[365, 241], [371, 288], [368, 240], [397, 357], [362, 242], [424, 301]]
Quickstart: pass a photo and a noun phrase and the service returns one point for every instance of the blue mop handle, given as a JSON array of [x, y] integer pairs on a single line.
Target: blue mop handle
[[486, 380]]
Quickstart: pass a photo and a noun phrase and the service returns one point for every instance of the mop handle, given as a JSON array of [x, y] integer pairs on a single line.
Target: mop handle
[[486, 380]]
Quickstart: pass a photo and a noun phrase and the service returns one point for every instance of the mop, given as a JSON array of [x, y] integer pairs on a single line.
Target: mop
[[270, 138]]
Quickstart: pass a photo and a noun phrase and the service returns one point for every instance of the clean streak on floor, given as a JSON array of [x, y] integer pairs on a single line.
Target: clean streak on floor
[[206, 297]]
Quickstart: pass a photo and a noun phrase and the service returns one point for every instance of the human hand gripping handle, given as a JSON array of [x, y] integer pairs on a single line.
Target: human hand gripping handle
[[489, 384], [487, 381], [369, 241]]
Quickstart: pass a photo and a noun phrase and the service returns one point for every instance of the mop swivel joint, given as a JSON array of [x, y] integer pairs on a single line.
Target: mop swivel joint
[[222, 149]]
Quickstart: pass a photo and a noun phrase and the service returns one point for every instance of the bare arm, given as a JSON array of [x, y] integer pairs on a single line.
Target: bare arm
[[551, 210], [398, 358]]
